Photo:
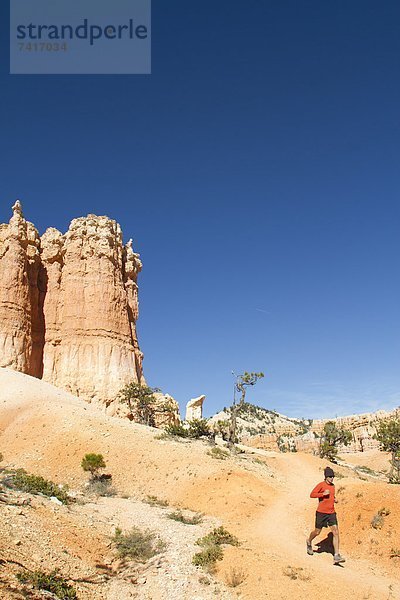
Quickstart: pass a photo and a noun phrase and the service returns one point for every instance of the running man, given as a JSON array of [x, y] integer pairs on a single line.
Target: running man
[[326, 515]]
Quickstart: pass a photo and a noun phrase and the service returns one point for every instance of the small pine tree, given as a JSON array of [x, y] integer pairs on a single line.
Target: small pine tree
[[141, 402], [241, 384], [388, 435], [244, 381], [332, 436], [93, 463], [221, 428]]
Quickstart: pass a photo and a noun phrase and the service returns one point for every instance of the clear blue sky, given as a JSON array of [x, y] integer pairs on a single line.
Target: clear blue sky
[[257, 170]]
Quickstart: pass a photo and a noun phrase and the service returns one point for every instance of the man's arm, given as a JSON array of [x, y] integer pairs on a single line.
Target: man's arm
[[318, 492]]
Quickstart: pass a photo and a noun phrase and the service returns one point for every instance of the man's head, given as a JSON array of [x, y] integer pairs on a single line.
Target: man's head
[[329, 473]]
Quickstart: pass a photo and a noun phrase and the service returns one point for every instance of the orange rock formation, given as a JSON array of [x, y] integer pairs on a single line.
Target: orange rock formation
[[69, 305]]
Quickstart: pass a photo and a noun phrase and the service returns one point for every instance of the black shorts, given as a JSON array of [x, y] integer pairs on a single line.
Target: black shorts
[[325, 520]]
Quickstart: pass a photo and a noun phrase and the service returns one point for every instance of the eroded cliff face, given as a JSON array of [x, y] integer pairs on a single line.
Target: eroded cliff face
[[91, 306], [69, 305], [21, 300]]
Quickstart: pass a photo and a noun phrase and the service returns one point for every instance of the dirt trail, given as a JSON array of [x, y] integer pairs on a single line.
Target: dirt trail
[[265, 503], [283, 528]]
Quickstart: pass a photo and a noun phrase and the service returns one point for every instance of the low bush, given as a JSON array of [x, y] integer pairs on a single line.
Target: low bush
[[198, 428], [35, 484], [218, 453], [154, 501], [208, 557], [179, 516], [138, 545], [177, 430], [296, 573], [235, 577], [212, 550], [49, 582], [377, 521], [195, 429], [218, 536], [101, 487], [366, 470]]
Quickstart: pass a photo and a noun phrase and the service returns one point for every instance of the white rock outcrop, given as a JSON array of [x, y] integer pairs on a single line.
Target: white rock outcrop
[[194, 408]]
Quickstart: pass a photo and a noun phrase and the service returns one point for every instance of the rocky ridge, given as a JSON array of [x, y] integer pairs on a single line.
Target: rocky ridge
[[262, 428]]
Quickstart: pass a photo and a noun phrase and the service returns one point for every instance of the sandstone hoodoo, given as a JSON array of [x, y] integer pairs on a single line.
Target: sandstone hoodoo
[[194, 408], [69, 305], [21, 318]]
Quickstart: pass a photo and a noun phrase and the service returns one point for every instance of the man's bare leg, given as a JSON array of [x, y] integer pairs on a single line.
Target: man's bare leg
[[309, 540], [337, 558], [335, 532], [315, 533]]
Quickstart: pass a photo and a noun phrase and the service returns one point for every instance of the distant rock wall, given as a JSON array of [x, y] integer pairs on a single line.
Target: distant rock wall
[[362, 427], [69, 305]]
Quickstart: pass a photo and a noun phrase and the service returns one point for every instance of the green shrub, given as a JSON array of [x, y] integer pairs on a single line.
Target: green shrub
[[137, 544], [218, 453], [218, 536], [35, 484], [198, 428], [177, 430], [208, 556], [179, 516], [50, 582], [93, 463], [212, 550], [281, 444]]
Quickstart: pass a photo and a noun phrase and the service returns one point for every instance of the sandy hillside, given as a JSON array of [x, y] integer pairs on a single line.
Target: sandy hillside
[[263, 499]]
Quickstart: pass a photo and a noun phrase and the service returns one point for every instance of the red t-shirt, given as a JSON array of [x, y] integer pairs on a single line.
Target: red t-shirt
[[326, 503]]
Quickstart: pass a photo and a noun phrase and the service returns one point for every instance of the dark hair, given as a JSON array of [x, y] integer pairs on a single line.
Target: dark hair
[[328, 472]]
